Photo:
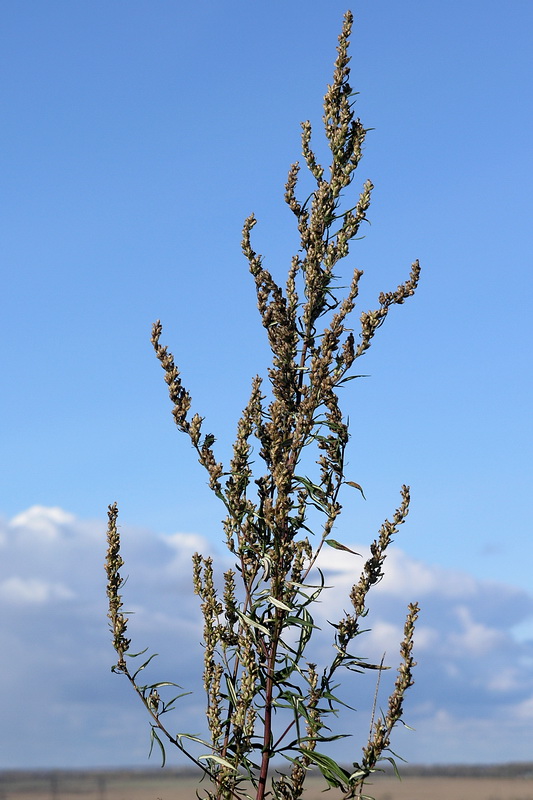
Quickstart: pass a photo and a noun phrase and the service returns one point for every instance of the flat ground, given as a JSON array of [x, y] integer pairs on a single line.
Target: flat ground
[[101, 786]]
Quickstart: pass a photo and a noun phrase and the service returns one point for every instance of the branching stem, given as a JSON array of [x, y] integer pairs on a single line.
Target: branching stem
[[259, 681]]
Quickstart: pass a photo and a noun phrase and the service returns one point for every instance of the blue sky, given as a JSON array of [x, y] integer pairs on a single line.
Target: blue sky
[[136, 138]]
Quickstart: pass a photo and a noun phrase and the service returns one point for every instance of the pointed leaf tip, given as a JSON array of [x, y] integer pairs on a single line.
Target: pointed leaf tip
[[356, 486], [338, 546]]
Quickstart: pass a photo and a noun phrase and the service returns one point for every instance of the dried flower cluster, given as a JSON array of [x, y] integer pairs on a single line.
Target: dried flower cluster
[[264, 698], [113, 565]]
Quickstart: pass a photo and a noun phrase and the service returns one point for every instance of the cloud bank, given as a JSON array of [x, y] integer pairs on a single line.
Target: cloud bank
[[62, 706]]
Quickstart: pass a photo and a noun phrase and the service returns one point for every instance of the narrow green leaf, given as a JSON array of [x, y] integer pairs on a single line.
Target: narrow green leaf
[[155, 738], [252, 622], [278, 603], [218, 760], [394, 764], [352, 378], [177, 697], [358, 774], [301, 623], [308, 585], [180, 736], [136, 655], [338, 546], [332, 772], [231, 690], [165, 683], [140, 669], [331, 698]]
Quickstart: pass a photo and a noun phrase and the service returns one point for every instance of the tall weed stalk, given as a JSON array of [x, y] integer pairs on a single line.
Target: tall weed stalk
[[265, 699]]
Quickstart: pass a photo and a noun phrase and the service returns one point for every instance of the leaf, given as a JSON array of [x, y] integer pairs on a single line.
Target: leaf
[[192, 737], [136, 655], [154, 655], [169, 707], [331, 698], [355, 486], [394, 765], [155, 738], [231, 690], [166, 683], [278, 603], [209, 441], [301, 623], [338, 546], [252, 622], [358, 774], [218, 760], [352, 377], [332, 772]]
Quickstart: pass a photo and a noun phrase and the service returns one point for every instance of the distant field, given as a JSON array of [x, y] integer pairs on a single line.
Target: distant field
[[165, 786]]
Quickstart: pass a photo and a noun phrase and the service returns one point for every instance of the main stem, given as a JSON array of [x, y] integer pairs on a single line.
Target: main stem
[[269, 690], [269, 687]]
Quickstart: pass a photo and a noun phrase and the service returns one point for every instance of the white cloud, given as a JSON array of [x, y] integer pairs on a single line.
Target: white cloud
[[33, 591], [42, 521], [524, 709], [475, 638], [473, 671], [506, 680], [384, 637], [57, 647], [403, 573]]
